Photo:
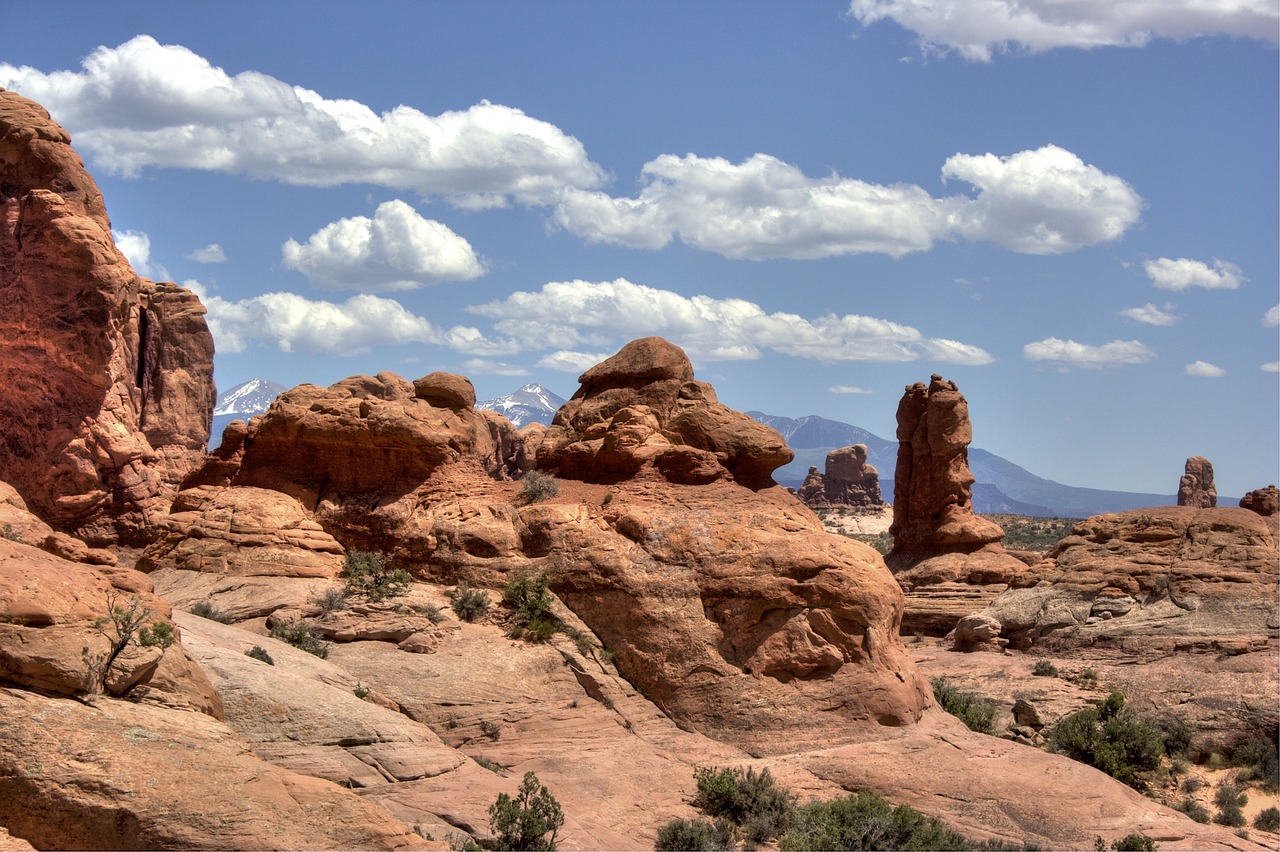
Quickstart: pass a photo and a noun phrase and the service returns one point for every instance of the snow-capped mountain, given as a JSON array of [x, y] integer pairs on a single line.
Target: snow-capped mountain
[[532, 403], [252, 397], [240, 403]]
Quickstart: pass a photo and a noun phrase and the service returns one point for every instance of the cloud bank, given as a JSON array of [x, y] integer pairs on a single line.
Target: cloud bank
[[1068, 353], [144, 104], [1168, 274], [978, 28], [1149, 314], [395, 250], [211, 253], [1042, 201], [1204, 370]]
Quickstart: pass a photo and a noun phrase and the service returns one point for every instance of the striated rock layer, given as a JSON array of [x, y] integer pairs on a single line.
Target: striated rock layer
[[108, 377]]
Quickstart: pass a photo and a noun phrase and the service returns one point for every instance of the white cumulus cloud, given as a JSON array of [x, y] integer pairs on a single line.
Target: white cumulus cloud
[[1204, 370], [847, 389], [1042, 201], [1149, 314], [978, 28], [136, 247], [1271, 366], [1169, 274], [1271, 318], [293, 323], [571, 362], [143, 104], [569, 315], [1069, 353], [211, 253], [488, 367], [397, 249]]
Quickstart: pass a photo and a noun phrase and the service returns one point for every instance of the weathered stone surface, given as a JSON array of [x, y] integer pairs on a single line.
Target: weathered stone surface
[[1156, 575], [978, 631], [642, 409], [1264, 501], [1196, 487], [932, 486], [118, 775], [445, 390], [847, 481], [108, 376]]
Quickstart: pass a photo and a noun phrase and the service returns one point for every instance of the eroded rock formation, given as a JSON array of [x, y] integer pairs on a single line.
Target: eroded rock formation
[[1196, 487], [846, 481], [1263, 501], [108, 377]]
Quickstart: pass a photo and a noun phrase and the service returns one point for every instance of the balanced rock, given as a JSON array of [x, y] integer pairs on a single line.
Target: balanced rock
[[847, 481], [108, 376], [1264, 501], [1196, 487], [642, 409], [932, 486]]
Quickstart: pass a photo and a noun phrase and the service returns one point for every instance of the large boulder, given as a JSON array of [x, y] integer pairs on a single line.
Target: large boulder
[[1263, 501], [108, 376], [642, 409], [1196, 487]]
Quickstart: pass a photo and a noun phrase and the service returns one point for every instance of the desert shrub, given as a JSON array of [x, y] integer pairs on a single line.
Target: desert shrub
[[748, 799], [331, 600], [128, 622], [976, 712], [529, 821], [694, 835], [586, 645], [1135, 842], [1267, 820], [432, 612], [491, 765], [206, 609], [260, 653], [1087, 678], [302, 636], [1229, 799], [532, 603], [468, 603], [1112, 739], [1045, 668], [882, 542], [373, 576], [1041, 534], [1194, 809], [866, 821], [1257, 757], [536, 486], [490, 729], [1176, 734]]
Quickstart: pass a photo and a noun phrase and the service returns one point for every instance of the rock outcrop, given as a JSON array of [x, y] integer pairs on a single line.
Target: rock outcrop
[[1263, 501], [1196, 487], [641, 409], [108, 376], [846, 481]]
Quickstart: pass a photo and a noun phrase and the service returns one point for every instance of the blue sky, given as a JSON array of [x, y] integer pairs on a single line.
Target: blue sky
[[1068, 209]]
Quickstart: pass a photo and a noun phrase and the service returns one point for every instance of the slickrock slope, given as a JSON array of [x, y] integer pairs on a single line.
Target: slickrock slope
[[1196, 487], [847, 480], [948, 559], [108, 377]]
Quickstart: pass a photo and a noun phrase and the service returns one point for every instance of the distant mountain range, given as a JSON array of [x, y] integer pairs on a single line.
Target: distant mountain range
[[1001, 486]]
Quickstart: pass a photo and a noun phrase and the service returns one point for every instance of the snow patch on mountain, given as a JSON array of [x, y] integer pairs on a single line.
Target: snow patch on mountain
[[530, 404], [252, 397]]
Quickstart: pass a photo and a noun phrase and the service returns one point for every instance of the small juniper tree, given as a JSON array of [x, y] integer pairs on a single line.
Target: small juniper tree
[[127, 623], [529, 821]]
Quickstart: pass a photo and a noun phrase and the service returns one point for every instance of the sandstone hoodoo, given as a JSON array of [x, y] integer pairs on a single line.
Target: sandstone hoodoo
[[1264, 501], [108, 376], [847, 481], [1196, 487]]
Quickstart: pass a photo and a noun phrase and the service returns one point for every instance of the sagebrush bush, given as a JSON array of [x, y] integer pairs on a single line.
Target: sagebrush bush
[[532, 619], [1136, 842], [1267, 820], [206, 609], [1045, 668], [332, 600], [1258, 759], [1230, 799], [260, 653], [866, 821], [691, 835], [529, 821], [1194, 809], [748, 799], [977, 713], [536, 486], [468, 603], [302, 636], [373, 575], [1112, 739]]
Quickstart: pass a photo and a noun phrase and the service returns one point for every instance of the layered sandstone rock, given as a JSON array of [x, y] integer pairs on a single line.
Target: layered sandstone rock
[[643, 409], [847, 481], [1196, 487], [108, 377], [1263, 501]]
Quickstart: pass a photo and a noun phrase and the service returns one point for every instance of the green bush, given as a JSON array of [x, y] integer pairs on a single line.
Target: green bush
[[882, 542], [529, 821], [206, 609], [373, 576], [866, 821], [1267, 820], [490, 729], [536, 486], [1258, 758], [1045, 668], [1112, 739], [331, 600], [1194, 809], [532, 603], [260, 653], [302, 636], [693, 835], [1230, 799], [468, 604], [1134, 843], [976, 712], [748, 799]]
